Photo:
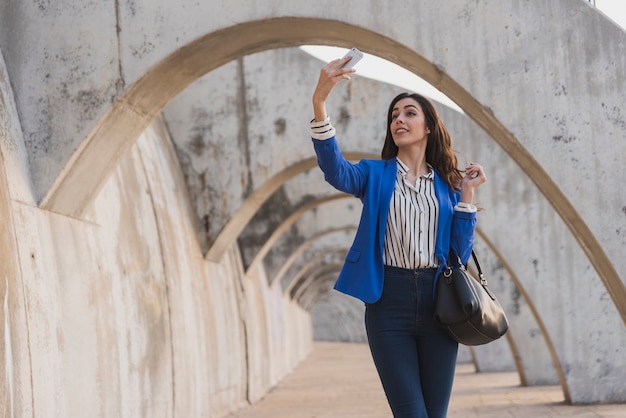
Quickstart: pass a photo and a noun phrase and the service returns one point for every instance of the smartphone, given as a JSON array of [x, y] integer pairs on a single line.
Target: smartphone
[[356, 57]]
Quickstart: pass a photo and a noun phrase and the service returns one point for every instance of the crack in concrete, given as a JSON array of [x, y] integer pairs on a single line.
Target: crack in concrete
[[243, 138], [121, 83]]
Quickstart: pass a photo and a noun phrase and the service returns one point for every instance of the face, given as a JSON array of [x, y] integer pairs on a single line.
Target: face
[[408, 124]]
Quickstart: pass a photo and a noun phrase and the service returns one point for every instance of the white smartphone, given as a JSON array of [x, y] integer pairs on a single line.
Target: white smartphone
[[356, 57]]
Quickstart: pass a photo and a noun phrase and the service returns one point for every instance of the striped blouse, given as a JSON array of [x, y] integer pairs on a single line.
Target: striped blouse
[[411, 230]]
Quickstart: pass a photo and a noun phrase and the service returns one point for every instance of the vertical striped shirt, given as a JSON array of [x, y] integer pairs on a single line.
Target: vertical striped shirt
[[412, 222]]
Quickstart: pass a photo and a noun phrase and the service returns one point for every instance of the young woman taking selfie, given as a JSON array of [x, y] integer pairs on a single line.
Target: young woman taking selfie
[[417, 216]]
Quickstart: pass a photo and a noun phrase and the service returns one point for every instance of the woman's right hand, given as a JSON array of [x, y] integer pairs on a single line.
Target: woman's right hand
[[330, 75]]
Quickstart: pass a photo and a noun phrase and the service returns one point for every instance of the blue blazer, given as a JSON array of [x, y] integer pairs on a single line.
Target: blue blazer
[[373, 182]]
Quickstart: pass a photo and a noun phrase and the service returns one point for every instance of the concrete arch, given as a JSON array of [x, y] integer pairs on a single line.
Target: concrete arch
[[312, 296], [322, 270], [92, 163], [306, 270], [292, 258], [288, 222], [291, 220], [131, 114], [238, 222]]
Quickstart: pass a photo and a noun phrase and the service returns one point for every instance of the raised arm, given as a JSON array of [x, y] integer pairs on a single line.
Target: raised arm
[[330, 75], [339, 172]]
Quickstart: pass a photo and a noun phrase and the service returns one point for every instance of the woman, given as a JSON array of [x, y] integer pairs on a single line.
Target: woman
[[417, 217]]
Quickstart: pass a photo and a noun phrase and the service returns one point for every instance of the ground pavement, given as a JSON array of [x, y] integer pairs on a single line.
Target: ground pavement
[[339, 381]]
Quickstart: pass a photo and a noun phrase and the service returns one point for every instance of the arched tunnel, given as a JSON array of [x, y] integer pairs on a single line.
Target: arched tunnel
[[170, 245]]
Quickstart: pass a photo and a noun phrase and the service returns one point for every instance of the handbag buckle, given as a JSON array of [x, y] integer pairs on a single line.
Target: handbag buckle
[[483, 281]]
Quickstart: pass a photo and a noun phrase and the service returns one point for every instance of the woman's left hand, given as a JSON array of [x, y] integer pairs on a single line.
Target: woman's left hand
[[474, 177]]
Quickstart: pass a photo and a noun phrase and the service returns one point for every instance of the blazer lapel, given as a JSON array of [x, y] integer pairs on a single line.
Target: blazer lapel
[[386, 191]]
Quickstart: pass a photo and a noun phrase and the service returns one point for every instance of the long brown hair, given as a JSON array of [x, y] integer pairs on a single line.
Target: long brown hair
[[439, 153]]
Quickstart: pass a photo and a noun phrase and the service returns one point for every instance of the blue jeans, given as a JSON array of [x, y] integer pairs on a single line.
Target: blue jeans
[[415, 358]]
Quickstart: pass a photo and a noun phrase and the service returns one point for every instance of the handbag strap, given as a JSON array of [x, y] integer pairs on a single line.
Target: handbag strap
[[481, 277], [480, 271]]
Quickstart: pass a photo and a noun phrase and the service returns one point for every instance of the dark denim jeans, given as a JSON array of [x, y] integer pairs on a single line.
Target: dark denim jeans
[[414, 356]]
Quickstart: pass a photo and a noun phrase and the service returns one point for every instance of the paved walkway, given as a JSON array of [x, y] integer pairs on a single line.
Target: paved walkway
[[339, 381]]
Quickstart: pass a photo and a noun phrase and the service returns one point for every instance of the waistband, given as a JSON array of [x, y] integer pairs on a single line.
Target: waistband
[[400, 270]]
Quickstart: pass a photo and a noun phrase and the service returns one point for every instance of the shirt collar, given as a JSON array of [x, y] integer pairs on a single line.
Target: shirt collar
[[403, 169]]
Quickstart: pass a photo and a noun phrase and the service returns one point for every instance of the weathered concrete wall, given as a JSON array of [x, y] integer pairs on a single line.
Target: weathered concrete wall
[[16, 392], [118, 314]]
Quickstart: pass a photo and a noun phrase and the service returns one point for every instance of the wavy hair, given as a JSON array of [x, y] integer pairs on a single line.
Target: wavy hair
[[439, 153]]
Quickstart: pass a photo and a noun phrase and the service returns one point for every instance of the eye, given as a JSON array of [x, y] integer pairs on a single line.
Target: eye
[[394, 116]]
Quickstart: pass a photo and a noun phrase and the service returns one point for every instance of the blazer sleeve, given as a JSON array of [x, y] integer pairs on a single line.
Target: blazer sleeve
[[339, 172], [462, 237], [463, 228]]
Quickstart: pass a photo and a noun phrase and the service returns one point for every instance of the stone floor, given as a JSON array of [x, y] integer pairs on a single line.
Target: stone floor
[[338, 380]]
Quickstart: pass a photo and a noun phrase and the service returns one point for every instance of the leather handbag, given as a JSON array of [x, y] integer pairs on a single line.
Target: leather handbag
[[466, 308]]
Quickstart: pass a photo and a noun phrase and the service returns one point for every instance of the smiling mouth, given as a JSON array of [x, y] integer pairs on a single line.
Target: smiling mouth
[[401, 131]]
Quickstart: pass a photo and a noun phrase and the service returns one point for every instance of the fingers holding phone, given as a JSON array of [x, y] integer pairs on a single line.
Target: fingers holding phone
[[340, 69], [331, 74], [354, 56]]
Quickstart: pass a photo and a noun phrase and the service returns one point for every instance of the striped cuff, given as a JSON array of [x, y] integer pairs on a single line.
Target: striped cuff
[[465, 207], [322, 130]]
